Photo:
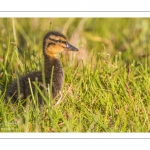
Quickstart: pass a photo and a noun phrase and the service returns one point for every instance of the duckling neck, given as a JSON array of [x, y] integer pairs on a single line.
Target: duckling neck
[[52, 63]]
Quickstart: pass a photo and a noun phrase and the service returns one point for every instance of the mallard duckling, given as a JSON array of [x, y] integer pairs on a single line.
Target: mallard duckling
[[53, 43]]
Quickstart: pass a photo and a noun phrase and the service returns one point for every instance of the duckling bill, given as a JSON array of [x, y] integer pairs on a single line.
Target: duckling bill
[[53, 43]]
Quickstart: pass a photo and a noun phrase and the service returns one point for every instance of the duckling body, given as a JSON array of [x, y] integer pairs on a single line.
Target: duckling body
[[53, 43]]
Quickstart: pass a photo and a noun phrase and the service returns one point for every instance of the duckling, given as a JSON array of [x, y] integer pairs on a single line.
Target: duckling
[[53, 43]]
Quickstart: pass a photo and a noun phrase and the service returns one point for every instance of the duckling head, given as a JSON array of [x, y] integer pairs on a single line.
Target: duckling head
[[55, 42]]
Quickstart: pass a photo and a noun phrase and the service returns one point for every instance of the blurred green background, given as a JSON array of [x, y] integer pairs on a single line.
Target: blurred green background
[[130, 36]]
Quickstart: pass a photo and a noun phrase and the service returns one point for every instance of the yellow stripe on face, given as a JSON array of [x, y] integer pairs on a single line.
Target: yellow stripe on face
[[57, 38], [55, 42]]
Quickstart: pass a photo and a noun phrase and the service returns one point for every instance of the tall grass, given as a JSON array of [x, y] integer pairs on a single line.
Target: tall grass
[[106, 92]]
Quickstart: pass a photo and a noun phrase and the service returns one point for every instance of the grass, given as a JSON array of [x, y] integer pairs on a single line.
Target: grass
[[108, 91]]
